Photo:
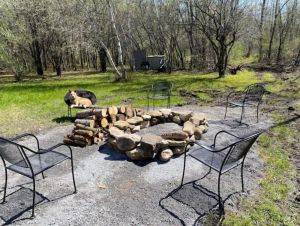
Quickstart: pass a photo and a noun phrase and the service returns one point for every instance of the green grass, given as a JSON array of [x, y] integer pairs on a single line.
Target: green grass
[[38, 104]]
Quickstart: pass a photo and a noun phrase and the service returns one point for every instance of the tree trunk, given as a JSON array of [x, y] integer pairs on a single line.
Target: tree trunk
[[261, 23], [273, 31], [102, 56], [119, 47], [111, 61]]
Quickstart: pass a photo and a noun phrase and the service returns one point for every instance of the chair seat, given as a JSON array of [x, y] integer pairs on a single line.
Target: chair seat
[[212, 159], [39, 163], [240, 104]]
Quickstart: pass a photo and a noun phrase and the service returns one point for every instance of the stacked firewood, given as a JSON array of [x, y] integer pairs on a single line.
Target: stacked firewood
[[91, 126]]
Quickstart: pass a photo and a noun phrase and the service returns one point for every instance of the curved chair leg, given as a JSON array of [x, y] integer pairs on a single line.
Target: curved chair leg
[[243, 111], [183, 172], [74, 183], [43, 175], [5, 186], [219, 194], [257, 113], [242, 176], [226, 110], [33, 198]]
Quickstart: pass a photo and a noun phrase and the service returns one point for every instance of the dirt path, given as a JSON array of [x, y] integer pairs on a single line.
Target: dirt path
[[114, 191]]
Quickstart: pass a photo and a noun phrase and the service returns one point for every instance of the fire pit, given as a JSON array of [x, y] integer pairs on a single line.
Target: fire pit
[[139, 134]]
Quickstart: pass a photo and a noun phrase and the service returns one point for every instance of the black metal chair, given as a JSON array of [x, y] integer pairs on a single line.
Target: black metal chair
[[250, 97], [160, 90], [222, 157], [30, 165]]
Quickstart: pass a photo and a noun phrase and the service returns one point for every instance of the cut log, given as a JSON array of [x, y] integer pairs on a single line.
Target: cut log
[[91, 117], [121, 117], [100, 135], [129, 112], [83, 127], [79, 137], [84, 114], [113, 110], [84, 133], [85, 122], [122, 109], [74, 142], [104, 123]]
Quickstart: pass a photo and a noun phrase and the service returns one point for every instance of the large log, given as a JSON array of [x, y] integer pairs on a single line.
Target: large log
[[100, 113], [113, 118], [86, 122]]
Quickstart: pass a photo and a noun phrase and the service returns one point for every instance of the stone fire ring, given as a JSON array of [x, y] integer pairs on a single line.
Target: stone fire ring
[[148, 146], [124, 135]]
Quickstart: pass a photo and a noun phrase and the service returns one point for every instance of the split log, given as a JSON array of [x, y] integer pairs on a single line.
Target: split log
[[122, 109], [101, 113], [113, 110], [78, 137], [85, 122], [84, 114], [104, 123], [91, 117], [83, 127], [74, 142], [129, 112], [121, 117], [84, 133]]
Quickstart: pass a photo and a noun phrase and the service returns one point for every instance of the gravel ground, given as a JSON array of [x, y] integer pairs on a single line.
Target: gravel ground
[[115, 191]]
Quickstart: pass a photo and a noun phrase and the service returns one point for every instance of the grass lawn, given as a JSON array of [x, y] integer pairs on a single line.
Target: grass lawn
[[38, 104]]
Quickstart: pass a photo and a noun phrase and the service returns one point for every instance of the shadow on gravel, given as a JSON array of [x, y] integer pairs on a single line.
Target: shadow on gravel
[[200, 200], [18, 203], [112, 155]]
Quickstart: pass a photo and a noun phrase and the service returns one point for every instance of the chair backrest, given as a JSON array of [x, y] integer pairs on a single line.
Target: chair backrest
[[254, 92], [239, 150], [12, 153], [162, 87]]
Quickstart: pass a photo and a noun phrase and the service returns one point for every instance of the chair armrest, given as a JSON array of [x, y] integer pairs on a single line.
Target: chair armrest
[[235, 92], [43, 151], [25, 135], [224, 131]]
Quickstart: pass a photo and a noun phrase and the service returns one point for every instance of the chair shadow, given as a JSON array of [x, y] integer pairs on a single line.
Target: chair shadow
[[199, 199], [64, 119], [19, 202]]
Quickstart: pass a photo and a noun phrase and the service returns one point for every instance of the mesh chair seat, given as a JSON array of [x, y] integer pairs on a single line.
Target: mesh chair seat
[[39, 163], [159, 97], [213, 159], [241, 103]]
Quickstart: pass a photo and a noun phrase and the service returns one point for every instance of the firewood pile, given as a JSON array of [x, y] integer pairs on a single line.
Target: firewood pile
[[119, 126]]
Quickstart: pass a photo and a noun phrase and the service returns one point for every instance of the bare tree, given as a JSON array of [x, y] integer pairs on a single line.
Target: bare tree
[[219, 21]]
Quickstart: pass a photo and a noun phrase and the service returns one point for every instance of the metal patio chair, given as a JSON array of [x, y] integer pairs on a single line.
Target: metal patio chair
[[160, 90], [31, 165], [222, 157], [250, 97]]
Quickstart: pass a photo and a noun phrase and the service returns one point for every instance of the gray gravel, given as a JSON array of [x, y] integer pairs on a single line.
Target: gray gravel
[[115, 191]]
